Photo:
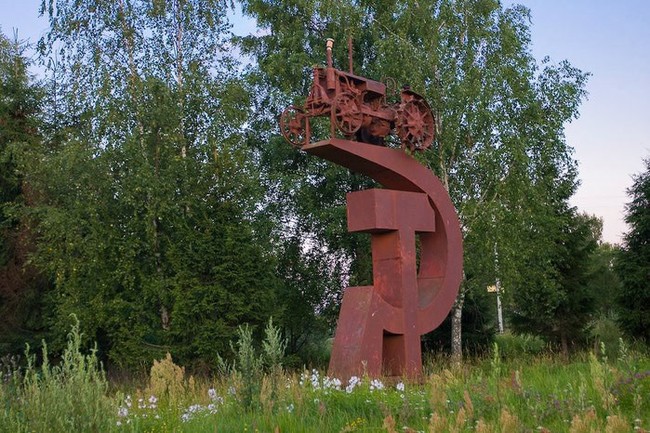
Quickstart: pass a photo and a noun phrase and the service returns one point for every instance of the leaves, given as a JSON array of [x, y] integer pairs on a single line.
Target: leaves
[[632, 264], [169, 210], [148, 203], [21, 287], [500, 115]]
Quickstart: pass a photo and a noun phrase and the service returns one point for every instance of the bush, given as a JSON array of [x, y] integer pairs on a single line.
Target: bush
[[519, 345], [167, 380], [250, 370], [605, 332]]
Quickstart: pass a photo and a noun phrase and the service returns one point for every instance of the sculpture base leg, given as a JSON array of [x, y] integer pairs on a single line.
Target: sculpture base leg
[[363, 344], [358, 340]]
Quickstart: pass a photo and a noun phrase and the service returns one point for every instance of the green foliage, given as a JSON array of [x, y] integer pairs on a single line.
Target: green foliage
[[603, 280], [605, 333], [22, 288], [632, 263], [252, 368], [500, 146], [147, 203], [273, 347], [168, 211], [489, 395], [310, 293], [71, 396], [479, 321], [559, 309], [518, 346], [632, 382], [248, 366]]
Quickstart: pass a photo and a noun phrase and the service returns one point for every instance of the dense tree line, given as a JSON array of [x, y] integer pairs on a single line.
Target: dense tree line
[[145, 187], [22, 287]]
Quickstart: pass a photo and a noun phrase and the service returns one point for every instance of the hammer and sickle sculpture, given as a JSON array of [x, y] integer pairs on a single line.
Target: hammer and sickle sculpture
[[379, 326]]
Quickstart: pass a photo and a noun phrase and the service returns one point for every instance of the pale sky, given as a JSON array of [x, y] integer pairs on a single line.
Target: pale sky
[[610, 39], [606, 38]]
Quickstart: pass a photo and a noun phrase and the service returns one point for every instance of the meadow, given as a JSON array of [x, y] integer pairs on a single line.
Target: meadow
[[497, 394]]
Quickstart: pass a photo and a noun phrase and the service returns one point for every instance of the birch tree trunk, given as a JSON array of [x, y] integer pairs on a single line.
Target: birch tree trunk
[[456, 333], [457, 326], [457, 310]]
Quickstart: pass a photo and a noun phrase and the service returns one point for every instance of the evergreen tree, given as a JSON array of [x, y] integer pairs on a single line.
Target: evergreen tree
[[561, 309], [633, 261], [21, 287]]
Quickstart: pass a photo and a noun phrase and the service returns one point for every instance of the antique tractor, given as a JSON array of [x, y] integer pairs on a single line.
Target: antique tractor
[[358, 110]]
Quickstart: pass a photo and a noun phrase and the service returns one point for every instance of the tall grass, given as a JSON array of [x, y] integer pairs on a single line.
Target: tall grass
[[499, 394], [71, 396]]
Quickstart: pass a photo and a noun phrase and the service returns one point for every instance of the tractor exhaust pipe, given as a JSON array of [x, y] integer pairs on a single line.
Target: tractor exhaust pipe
[[331, 78]]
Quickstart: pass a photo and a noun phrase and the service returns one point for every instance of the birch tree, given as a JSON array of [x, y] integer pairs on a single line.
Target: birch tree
[[148, 223]]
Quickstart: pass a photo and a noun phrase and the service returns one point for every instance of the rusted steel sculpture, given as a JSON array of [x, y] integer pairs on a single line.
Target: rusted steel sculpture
[[358, 110], [380, 326]]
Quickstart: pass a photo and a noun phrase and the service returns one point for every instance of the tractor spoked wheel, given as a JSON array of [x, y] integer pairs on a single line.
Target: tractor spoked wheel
[[293, 126], [415, 125], [347, 114]]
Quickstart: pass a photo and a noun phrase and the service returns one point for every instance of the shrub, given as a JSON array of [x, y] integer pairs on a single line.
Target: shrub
[[519, 345], [248, 368], [71, 396], [249, 365], [605, 332], [167, 380]]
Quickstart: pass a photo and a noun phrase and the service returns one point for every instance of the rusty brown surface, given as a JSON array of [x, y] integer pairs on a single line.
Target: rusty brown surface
[[380, 326], [358, 110]]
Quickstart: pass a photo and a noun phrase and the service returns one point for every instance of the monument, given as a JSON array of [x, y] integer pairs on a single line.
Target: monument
[[379, 326]]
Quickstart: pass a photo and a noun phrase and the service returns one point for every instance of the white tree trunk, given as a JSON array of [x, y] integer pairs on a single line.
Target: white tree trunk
[[456, 327], [456, 334]]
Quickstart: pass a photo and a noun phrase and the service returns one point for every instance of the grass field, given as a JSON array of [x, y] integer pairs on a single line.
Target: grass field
[[529, 394]]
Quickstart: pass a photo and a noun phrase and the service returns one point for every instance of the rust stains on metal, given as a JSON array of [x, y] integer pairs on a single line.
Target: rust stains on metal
[[380, 325]]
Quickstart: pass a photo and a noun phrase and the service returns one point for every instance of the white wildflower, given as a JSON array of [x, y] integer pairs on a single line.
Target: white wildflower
[[331, 383], [376, 384], [315, 379], [191, 411], [352, 383]]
